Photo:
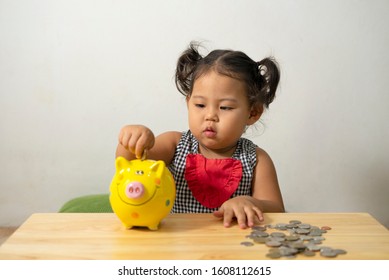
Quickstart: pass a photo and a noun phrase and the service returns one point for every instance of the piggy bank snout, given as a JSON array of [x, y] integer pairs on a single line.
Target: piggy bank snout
[[135, 190]]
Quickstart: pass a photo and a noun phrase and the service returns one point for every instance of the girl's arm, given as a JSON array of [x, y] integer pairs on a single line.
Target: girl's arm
[[266, 196], [135, 139], [165, 146], [265, 184]]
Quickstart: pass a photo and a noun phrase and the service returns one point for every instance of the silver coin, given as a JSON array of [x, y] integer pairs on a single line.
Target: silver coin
[[304, 226], [292, 231], [281, 226], [291, 226], [328, 253], [271, 243], [340, 251], [315, 232], [324, 248], [247, 244], [276, 238], [273, 255], [298, 245], [295, 222], [277, 234], [308, 253], [259, 228], [287, 251], [292, 237], [261, 234], [272, 250], [258, 234], [313, 247], [305, 237], [260, 239], [318, 238], [302, 231]]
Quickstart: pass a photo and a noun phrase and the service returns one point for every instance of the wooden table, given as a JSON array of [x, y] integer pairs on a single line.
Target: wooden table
[[182, 236]]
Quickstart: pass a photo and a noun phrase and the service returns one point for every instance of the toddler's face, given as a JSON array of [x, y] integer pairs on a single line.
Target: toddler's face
[[219, 112]]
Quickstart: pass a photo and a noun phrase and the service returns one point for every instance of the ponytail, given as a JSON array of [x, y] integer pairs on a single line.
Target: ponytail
[[269, 77], [186, 65]]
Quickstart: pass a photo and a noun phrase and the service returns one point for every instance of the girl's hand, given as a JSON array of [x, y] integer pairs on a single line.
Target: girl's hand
[[136, 139], [243, 208]]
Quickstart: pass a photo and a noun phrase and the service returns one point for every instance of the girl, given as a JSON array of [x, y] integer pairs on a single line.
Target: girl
[[216, 170]]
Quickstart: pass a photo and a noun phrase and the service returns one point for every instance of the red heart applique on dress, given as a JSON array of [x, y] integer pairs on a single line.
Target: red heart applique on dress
[[212, 181]]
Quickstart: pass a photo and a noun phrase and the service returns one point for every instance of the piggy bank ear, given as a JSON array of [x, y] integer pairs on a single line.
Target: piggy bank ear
[[121, 163], [158, 167]]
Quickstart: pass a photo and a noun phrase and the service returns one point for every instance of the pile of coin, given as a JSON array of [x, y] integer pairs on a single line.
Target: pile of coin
[[302, 239]]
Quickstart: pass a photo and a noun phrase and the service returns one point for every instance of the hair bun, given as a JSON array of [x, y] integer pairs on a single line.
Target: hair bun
[[186, 65], [269, 72]]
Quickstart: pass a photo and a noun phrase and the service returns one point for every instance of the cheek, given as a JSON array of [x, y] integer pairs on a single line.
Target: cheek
[[190, 116], [240, 121], [193, 115], [192, 121]]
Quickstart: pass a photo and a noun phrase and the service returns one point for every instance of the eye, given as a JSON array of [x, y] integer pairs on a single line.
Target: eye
[[226, 108], [199, 105], [139, 172]]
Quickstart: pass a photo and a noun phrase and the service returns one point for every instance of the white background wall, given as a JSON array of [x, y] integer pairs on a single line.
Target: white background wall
[[73, 72]]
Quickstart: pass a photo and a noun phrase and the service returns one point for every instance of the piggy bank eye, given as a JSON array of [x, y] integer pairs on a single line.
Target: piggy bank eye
[[139, 172]]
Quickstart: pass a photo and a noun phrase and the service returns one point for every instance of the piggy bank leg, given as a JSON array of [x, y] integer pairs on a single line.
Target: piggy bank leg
[[153, 227], [127, 226]]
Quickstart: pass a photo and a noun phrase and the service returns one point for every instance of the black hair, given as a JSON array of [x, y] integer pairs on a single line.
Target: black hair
[[261, 78]]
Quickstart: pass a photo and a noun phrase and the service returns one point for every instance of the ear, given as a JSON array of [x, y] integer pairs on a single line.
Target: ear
[[158, 167], [121, 163], [255, 114]]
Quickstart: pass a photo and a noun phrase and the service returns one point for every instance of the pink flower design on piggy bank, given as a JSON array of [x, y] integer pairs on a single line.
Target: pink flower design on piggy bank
[[142, 192]]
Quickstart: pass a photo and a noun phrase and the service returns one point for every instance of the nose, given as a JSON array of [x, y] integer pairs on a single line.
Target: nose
[[135, 190], [211, 115]]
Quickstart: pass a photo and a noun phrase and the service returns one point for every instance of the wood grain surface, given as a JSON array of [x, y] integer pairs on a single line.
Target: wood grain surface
[[181, 236]]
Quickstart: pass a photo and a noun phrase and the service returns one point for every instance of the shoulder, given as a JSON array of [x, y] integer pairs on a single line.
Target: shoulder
[[263, 158], [264, 167]]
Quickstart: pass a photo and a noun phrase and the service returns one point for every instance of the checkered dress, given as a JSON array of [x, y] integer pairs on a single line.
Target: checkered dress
[[185, 202]]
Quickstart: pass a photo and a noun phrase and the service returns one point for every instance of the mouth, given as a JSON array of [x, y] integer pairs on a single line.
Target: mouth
[[209, 132], [135, 202]]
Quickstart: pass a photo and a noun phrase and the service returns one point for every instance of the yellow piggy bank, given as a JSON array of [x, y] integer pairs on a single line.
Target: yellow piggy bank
[[142, 192]]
